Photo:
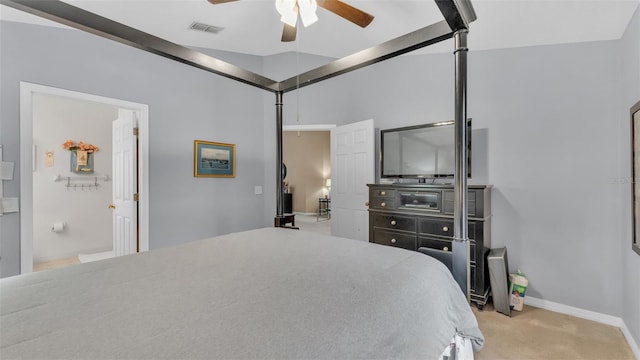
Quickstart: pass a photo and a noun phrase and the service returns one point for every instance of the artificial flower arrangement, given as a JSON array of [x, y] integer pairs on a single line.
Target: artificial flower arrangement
[[72, 145], [81, 159]]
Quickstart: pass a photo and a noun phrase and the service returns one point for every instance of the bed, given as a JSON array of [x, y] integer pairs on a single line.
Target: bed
[[268, 293]]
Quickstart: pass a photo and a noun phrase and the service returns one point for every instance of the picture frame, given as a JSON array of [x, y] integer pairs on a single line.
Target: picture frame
[[214, 159], [635, 176]]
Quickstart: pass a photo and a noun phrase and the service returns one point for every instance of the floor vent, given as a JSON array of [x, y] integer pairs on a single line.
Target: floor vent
[[205, 27]]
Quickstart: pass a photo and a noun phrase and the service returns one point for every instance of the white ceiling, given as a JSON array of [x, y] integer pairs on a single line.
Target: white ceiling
[[253, 26]]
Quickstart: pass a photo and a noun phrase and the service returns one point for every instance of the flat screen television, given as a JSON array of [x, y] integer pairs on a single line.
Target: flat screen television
[[421, 152]]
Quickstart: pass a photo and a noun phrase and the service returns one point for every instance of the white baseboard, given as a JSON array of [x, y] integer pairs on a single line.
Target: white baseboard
[[586, 314], [630, 340]]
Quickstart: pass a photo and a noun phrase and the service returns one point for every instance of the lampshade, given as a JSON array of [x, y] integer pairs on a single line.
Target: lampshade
[[328, 183]]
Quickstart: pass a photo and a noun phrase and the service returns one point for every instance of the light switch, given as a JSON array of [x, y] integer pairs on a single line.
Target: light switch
[[257, 190]]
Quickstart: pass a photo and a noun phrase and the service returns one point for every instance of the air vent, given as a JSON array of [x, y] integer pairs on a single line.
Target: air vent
[[205, 27]]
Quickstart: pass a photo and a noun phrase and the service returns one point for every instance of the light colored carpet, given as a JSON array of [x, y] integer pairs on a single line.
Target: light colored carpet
[[311, 223], [541, 334]]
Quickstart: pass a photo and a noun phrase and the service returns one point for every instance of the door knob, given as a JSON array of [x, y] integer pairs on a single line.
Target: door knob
[[111, 206]]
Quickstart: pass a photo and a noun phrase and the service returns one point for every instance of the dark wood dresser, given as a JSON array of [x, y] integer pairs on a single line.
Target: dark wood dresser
[[419, 217]]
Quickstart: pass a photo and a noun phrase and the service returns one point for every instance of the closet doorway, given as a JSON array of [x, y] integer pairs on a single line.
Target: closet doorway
[[52, 184]]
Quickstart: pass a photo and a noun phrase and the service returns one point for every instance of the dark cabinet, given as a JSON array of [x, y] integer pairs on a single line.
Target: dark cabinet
[[288, 203], [419, 217]]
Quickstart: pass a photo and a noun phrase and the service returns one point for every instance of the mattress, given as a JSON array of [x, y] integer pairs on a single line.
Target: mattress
[[266, 293]]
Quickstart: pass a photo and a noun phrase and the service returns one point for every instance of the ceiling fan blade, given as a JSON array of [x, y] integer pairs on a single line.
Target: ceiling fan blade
[[347, 11], [288, 33], [215, 2]]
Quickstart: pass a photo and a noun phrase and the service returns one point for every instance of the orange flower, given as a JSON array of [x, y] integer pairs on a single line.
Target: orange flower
[[71, 145]]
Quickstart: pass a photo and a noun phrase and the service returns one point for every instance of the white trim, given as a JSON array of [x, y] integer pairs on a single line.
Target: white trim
[[27, 90], [573, 311], [319, 127], [586, 314], [630, 340]]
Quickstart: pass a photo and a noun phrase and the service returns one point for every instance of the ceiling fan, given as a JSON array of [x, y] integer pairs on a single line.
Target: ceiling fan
[[289, 9]]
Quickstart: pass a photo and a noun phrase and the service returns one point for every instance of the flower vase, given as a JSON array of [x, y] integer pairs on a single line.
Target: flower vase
[[81, 169]]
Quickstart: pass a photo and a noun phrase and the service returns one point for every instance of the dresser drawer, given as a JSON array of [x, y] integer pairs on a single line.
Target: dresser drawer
[[382, 202], [383, 192], [395, 222], [395, 239], [438, 244], [445, 245], [444, 227]]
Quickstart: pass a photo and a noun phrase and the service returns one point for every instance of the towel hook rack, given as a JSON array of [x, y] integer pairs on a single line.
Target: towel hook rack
[[87, 182]]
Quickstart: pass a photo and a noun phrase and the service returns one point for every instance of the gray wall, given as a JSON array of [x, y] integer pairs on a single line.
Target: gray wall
[[630, 48], [546, 114], [185, 104]]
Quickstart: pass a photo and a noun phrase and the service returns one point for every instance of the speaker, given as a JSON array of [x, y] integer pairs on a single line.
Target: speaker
[[498, 275]]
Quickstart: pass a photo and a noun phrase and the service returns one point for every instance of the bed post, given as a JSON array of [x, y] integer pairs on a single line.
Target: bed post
[[460, 244], [279, 188]]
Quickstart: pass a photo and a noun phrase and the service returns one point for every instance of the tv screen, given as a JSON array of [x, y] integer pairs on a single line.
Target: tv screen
[[423, 151]]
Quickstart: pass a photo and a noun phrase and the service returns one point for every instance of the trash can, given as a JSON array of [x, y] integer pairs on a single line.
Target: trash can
[[517, 289]]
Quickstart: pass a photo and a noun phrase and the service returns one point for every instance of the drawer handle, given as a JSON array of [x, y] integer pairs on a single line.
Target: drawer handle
[[383, 193], [383, 204], [393, 241], [393, 222], [445, 228], [445, 249]]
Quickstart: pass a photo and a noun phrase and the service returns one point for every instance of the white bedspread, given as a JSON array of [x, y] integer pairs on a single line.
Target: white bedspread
[[268, 293]]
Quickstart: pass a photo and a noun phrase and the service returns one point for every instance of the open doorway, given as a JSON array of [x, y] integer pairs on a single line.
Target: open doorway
[[307, 155], [71, 186], [66, 206]]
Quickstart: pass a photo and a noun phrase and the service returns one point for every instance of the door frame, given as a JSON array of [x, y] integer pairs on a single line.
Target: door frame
[[27, 162], [310, 127]]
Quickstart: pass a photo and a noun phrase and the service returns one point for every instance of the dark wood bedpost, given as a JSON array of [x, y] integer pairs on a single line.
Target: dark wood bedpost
[[460, 245], [280, 220], [279, 189]]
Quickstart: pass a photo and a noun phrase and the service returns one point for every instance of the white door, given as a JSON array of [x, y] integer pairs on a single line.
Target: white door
[[125, 211], [352, 168]]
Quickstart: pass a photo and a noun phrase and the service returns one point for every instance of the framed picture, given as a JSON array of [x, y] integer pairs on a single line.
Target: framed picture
[[213, 159], [635, 174]]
